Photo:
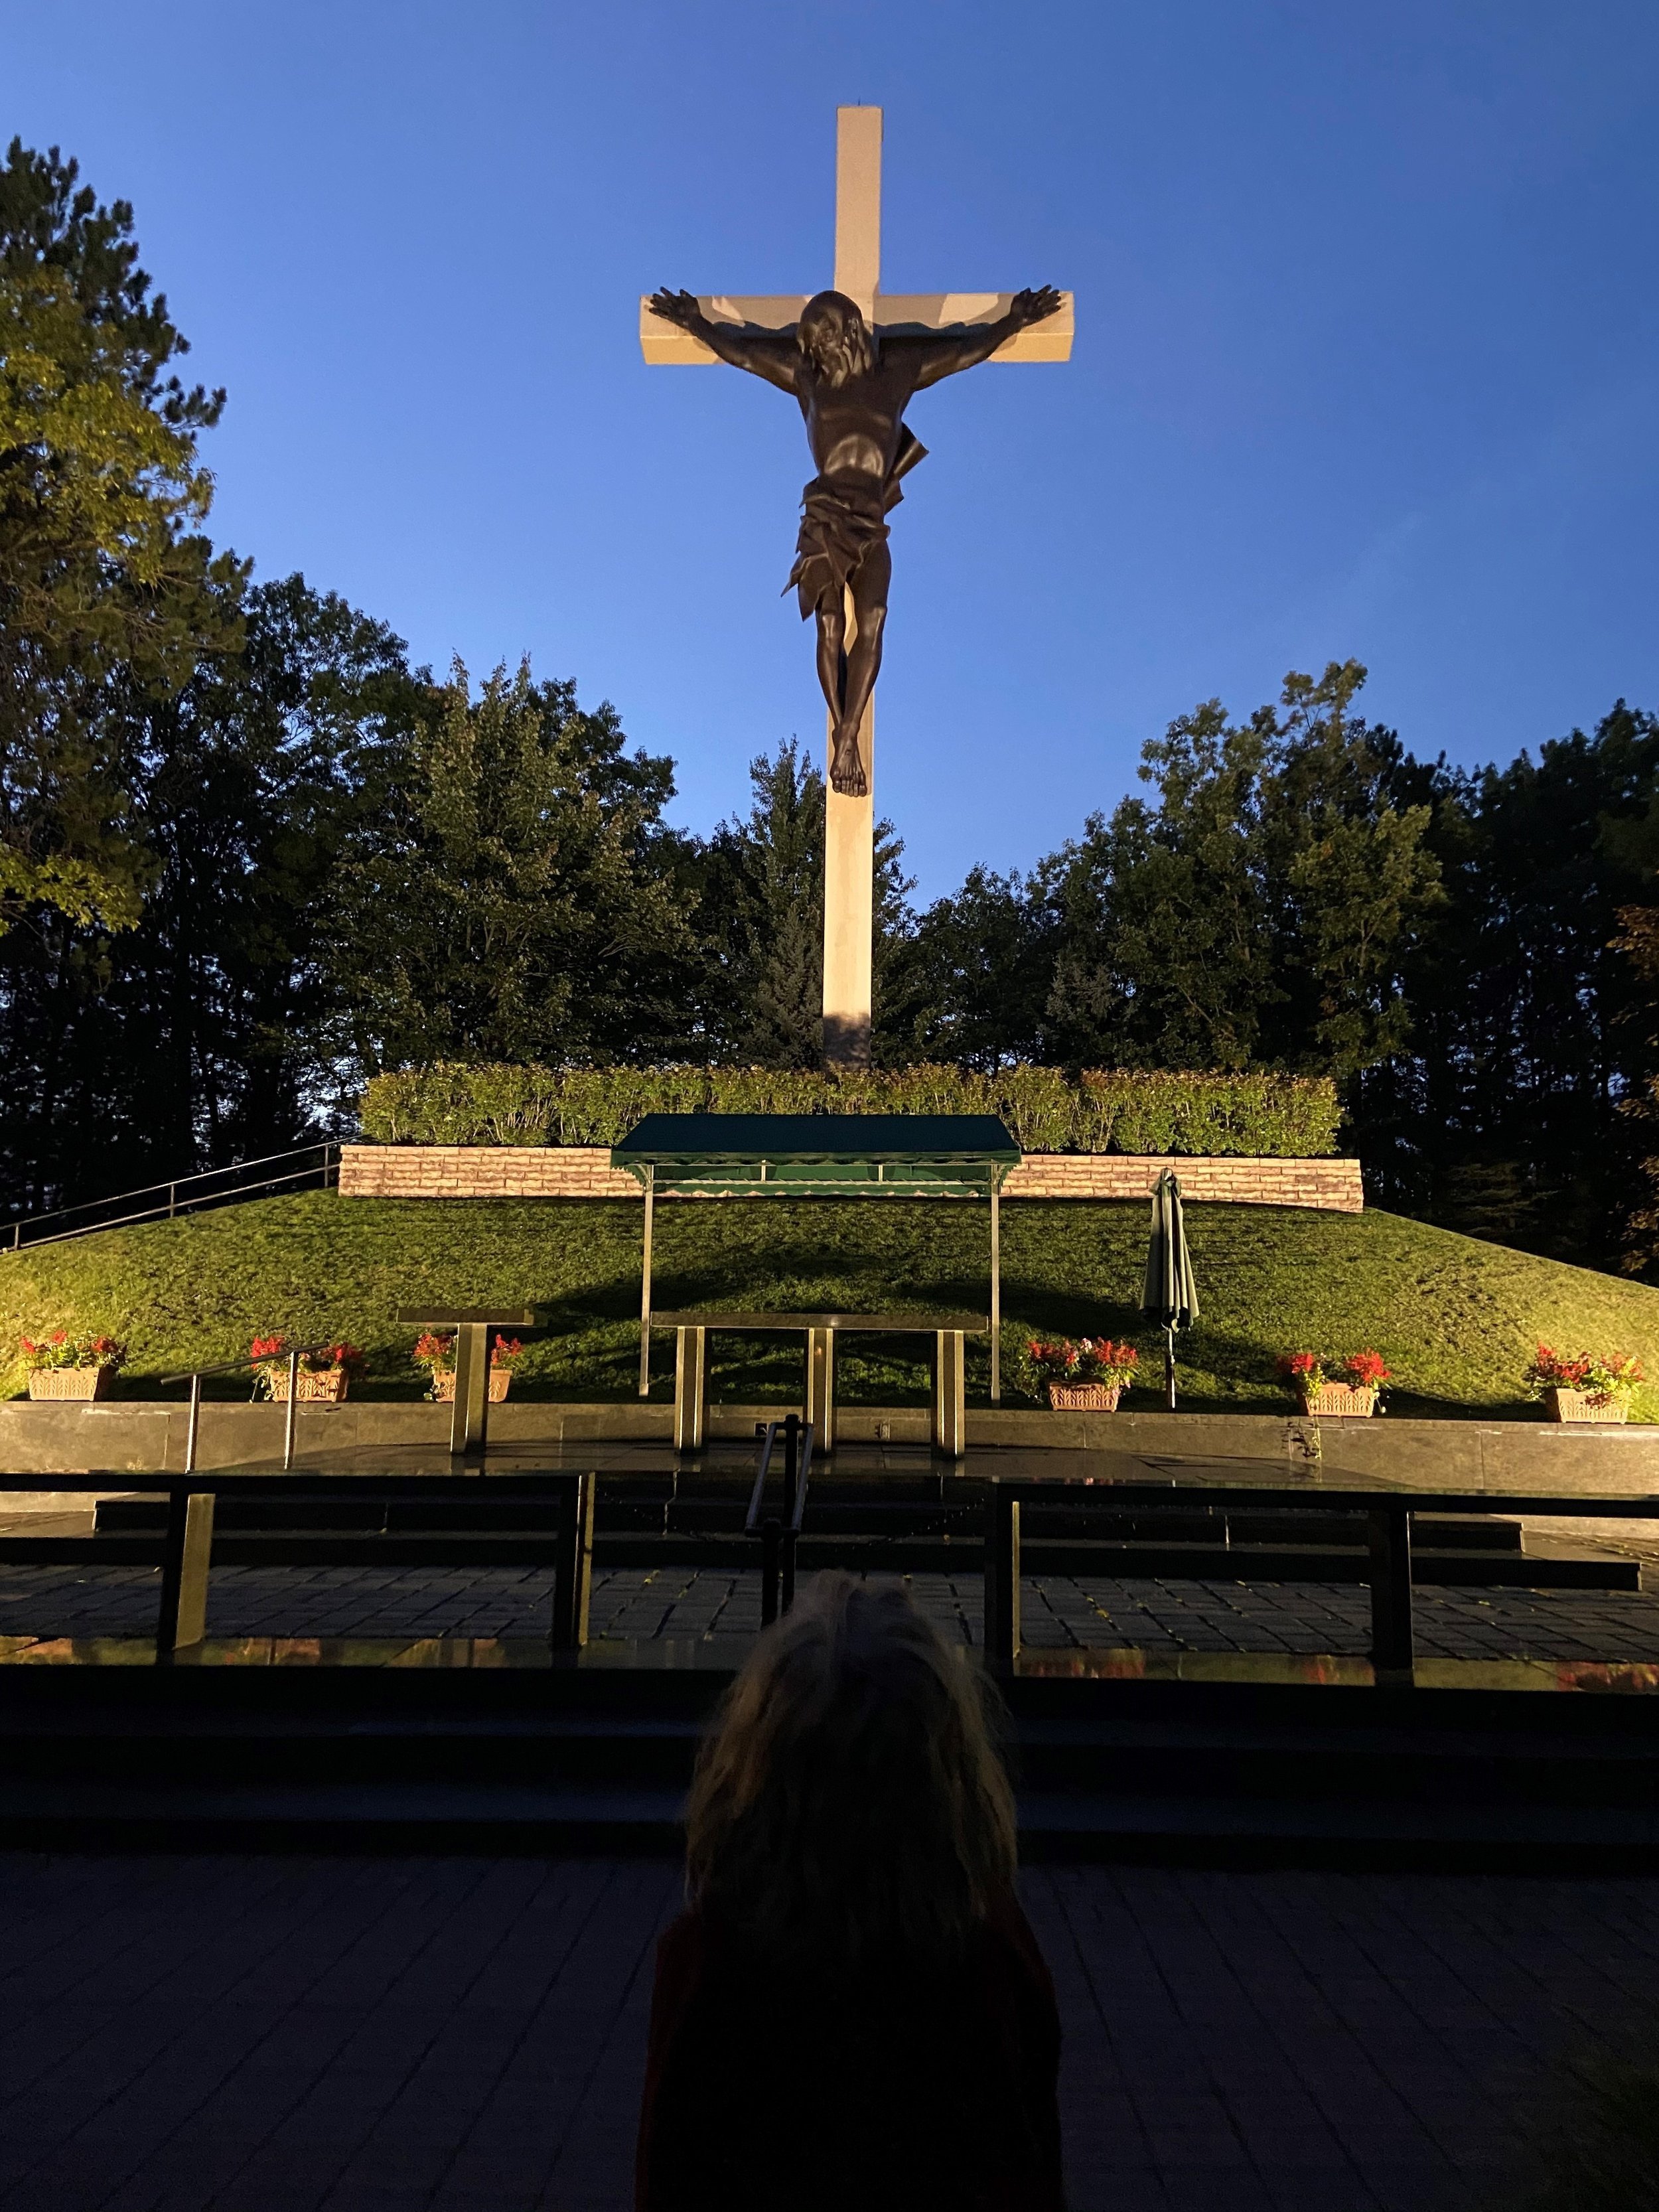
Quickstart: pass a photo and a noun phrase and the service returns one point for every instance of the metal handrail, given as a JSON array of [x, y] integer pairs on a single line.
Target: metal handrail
[[174, 1205], [193, 1377], [778, 1538]]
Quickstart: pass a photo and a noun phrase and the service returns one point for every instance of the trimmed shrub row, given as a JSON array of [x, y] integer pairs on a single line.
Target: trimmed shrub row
[[1101, 1111]]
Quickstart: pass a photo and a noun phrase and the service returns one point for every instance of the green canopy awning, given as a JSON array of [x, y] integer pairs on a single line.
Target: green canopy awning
[[818, 1155]]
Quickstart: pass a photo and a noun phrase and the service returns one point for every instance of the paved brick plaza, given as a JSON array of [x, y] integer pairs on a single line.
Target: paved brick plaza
[[725, 1607], [465, 2035]]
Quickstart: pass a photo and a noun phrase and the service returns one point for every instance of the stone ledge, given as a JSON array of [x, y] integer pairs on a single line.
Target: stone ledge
[[124, 1439], [585, 1171]]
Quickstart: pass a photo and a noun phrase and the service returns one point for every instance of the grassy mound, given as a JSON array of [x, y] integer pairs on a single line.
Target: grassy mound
[[1455, 1319]]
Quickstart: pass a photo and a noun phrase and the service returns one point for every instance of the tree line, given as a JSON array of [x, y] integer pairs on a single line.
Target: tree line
[[250, 855]]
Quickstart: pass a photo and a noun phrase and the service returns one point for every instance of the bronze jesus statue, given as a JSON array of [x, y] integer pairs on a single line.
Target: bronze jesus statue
[[853, 387]]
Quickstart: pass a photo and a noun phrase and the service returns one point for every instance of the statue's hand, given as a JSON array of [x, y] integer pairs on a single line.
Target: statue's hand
[[1034, 306], [679, 308]]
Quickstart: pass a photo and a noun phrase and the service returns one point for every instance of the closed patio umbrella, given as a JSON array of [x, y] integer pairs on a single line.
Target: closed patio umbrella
[[1169, 1295]]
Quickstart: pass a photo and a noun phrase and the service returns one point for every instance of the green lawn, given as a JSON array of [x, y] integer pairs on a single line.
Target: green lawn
[[1455, 1318]]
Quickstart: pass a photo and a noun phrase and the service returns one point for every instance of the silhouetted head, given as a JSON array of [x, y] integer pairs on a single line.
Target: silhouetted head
[[850, 1803], [834, 337]]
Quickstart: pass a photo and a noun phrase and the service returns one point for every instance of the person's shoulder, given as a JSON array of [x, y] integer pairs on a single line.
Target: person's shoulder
[[682, 1947], [1010, 1944]]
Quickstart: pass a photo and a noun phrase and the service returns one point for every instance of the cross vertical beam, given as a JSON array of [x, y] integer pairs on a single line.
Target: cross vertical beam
[[849, 824], [857, 206]]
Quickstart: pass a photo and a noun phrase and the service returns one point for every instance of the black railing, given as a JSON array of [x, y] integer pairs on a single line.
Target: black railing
[[1384, 1515], [1382, 1518], [188, 1194], [779, 1533], [187, 1545]]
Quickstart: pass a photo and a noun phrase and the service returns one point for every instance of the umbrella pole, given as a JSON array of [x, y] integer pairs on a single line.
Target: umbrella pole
[[1169, 1371]]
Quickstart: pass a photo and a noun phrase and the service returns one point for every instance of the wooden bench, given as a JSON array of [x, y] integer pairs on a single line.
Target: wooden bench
[[820, 1330]]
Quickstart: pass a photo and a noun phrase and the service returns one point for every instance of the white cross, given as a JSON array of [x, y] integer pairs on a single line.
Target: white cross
[[849, 827]]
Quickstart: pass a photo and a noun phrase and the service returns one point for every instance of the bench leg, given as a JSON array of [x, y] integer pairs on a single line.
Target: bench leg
[[821, 1387], [950, 1394], [182, 1621], [1002, 1574], [470, 1413], [1392, 1655], [572, 1583], [690, 1388]]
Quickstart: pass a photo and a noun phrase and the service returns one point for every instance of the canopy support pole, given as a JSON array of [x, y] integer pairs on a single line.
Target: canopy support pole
[[1169, 1371], [645, 1283], [996, 1288]]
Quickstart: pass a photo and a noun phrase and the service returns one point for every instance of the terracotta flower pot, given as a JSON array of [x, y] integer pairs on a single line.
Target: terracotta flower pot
[[443, 1385], [77, 1382], [1084, 1397], [326, 1390], [1338, 1399], [1574, 1406]]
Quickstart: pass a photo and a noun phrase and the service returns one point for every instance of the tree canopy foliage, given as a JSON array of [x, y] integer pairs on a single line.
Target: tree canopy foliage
[[107, 585]]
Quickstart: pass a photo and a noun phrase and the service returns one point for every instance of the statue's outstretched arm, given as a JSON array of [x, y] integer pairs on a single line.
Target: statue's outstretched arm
[[773, 355], [973, 342]]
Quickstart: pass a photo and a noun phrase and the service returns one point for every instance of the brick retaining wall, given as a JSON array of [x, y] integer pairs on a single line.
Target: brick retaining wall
[[1331, 1185], [585, 1171]]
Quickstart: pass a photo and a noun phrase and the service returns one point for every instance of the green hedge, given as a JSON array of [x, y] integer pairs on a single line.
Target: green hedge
[[1103, 1110]]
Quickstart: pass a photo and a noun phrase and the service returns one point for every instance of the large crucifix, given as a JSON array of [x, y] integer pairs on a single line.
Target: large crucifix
[[854, 357]]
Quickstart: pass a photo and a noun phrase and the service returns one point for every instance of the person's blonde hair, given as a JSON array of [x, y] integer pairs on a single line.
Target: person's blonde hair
[[850, 1802]]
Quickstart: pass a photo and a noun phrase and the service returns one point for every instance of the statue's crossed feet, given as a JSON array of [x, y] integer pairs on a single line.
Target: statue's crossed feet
[[846, 768]]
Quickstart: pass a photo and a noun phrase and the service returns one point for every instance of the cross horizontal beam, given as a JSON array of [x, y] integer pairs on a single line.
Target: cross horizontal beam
[[664, 347]]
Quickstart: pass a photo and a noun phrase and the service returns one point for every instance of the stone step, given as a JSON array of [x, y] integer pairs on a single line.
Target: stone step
[[597, 1757]]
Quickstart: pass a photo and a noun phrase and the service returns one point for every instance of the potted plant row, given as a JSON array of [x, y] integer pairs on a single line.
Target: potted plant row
[[436, 1354], [1087, 1374], [1340, 1388], [325, 1376], [63, 1366], [1584, 1386]]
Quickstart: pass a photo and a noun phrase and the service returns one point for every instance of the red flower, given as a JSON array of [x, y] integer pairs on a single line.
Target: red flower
[[1365, 1370]]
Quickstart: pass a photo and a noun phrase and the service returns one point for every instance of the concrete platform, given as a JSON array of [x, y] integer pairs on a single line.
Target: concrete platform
[[202, 2034], [132, 1436]]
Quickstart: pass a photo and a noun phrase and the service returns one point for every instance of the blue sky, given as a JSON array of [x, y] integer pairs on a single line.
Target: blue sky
[[1368, 329]]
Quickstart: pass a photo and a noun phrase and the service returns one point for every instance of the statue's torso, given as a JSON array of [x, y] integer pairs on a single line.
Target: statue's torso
[[854, 429]]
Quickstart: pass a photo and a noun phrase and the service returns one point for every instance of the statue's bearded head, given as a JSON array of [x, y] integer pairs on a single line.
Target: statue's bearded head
[[834, 337]]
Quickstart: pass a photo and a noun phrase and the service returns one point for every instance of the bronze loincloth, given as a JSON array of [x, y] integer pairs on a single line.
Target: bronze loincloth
[[841, 517], [840, 521]]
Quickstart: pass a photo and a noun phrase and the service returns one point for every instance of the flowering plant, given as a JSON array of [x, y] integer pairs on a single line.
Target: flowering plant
[[1086, 1359], [1603, 1381], [1051, 1361], [60, 1349], [1100, 1360], [1308, 1371], [1303, 1371], [437, 1353], [269, 1355]]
